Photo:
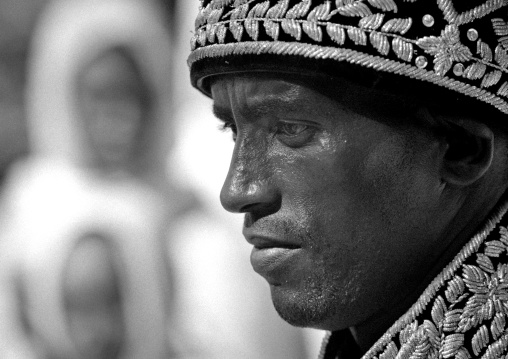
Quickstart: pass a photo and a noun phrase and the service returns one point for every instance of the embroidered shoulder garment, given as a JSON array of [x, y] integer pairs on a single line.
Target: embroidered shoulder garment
[[462, 314]]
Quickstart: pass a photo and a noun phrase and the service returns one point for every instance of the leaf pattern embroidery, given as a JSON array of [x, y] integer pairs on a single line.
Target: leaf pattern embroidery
[[403, 49], [400, 26], [299, 10], [446, 49], [385, 5], [371, 22], [336, 33], [292, 27], [352, 8], [251, 23], [380, 42]]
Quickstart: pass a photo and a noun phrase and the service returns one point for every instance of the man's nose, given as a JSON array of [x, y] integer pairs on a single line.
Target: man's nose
[[248, 186]]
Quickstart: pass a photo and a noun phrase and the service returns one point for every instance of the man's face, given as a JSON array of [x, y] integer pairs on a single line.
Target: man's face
[[341, 195]]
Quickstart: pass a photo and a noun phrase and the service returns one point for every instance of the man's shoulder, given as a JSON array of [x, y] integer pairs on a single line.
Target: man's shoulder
[[463, 312]]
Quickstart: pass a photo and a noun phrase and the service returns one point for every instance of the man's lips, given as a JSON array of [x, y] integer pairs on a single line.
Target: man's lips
[[265, 242], [260, 239], [270, 254]]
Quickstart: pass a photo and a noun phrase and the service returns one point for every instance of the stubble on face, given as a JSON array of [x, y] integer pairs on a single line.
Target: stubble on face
[[321, 292], [318, 299]]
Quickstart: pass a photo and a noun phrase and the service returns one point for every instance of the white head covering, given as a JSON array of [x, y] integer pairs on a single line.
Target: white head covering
[[72, 33]]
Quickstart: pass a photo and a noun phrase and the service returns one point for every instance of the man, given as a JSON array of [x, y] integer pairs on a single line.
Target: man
[[370, 162]]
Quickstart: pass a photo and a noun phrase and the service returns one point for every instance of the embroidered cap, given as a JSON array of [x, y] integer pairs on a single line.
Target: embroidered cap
[[459, 45]]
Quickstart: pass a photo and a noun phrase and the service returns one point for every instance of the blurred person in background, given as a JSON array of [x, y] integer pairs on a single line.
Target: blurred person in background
[[85, 272]]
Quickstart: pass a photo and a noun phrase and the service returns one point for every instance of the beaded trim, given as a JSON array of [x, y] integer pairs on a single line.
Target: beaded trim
[[465, 51]]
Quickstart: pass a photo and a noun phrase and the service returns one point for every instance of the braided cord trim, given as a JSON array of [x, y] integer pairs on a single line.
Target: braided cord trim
[[348, 55]]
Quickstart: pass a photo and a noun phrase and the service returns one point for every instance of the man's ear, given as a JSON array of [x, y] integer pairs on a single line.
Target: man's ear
[[469, 151]]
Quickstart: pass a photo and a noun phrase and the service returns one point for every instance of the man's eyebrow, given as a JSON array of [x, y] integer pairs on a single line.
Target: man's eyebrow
[[266, 105], [278, 104]]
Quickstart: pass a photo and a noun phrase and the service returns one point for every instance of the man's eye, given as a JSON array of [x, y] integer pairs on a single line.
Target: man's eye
[[291, 129], [294, 134]]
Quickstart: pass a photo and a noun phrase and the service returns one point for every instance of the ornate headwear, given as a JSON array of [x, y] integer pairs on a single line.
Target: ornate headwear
[[460, 45]]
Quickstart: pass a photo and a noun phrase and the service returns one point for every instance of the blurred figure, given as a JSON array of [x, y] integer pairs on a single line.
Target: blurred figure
[[86, 214]]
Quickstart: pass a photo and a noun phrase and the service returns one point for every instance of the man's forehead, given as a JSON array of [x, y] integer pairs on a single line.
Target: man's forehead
[[265, 92], [254, 83], [261, 93]]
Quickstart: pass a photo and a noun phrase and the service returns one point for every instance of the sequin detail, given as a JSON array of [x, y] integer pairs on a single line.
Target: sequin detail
[[458, 69], [421, 62], [428, 20], [472, 34]]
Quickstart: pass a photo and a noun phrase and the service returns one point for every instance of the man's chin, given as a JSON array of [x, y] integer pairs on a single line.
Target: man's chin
[[303, 309]]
